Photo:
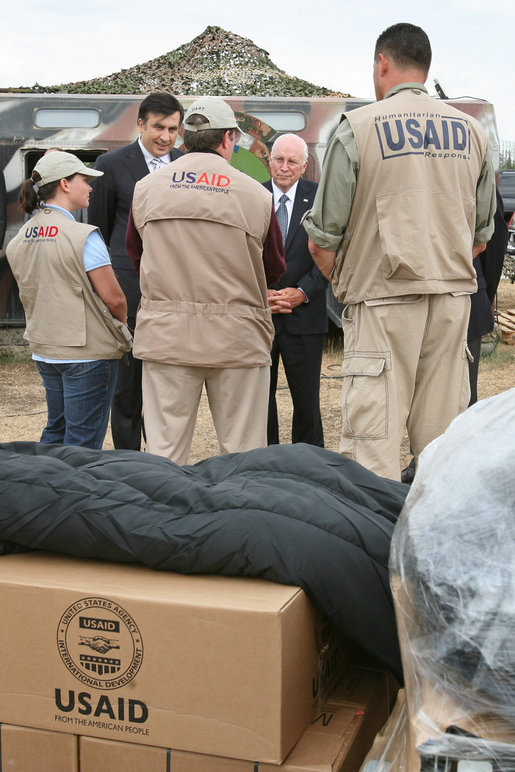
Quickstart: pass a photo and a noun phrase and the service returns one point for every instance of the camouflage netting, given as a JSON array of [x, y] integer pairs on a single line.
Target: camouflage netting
[[216, 62]]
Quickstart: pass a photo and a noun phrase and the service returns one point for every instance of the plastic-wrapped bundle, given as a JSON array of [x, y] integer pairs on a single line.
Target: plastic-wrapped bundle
[[452, 570]]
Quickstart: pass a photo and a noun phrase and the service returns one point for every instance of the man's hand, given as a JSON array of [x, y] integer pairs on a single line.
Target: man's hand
[[294, 295], [322, 258], [477, 249], [279, 303]]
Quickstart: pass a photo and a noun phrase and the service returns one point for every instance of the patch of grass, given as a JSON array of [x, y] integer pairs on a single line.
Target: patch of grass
[[334, 340], [508, 270], [502, 356], [10, 357], [506, 290]]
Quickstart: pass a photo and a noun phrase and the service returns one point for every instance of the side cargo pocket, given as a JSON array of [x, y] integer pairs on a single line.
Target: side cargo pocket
[[365, 395]]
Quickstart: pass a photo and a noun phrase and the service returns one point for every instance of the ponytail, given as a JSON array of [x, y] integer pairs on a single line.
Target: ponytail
[[32, 196]]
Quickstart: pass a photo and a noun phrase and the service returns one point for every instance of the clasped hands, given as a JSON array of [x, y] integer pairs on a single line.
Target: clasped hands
[[283, 301]]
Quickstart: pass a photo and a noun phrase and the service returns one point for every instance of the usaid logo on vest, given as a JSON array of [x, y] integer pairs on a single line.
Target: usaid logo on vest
[[433, 136], [41, 232], [201, 180]]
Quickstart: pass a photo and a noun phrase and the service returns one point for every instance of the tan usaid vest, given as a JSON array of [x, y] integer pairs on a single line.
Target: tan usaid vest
[[411, 227], [203, 286], [64, 318]]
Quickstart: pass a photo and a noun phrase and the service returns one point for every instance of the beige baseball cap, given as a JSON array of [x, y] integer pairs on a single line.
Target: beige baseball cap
[[217, 113], [56, 164]]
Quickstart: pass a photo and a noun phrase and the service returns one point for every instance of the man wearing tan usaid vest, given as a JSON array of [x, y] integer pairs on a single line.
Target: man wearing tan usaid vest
[[207, 244], [406, 200]]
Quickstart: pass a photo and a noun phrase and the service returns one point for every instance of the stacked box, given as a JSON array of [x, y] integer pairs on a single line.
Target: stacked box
[[35, 750], [228, 667], [336, 740]]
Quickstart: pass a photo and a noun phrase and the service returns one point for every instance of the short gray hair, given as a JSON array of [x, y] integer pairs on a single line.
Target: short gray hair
[[304, 145]]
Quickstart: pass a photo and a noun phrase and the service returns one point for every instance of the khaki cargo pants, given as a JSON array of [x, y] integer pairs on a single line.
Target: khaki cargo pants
[[405, 366]]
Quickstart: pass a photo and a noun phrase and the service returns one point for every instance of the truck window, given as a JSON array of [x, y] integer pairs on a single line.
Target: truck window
[[67, 118]]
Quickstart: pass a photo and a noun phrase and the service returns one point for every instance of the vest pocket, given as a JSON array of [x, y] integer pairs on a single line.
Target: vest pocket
[[425, 238], [365, 395], [55, 314]]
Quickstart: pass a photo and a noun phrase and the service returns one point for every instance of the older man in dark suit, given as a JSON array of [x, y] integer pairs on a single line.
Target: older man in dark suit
[[159, 118], [298, 300]]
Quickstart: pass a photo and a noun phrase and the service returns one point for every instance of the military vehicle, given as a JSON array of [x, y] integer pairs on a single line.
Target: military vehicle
[[87, 124]]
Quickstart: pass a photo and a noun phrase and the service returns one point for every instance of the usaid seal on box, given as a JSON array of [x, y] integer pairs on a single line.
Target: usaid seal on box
[[101, 645], [232, 667]]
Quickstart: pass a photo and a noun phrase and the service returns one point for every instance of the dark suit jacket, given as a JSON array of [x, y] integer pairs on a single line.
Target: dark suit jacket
[[308, 318], [488, 265], [109, 207], [3, 209]]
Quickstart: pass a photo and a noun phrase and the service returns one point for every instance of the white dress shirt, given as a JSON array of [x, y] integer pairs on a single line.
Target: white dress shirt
[[277, 192], [163, 160]]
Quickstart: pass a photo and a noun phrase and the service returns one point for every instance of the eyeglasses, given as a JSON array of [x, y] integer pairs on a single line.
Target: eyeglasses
[[279, 160]]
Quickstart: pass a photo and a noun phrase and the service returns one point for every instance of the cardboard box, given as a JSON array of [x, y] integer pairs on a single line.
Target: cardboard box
[[391, 748], [34, 750], [225, 666], [370, 691], [337, 740]]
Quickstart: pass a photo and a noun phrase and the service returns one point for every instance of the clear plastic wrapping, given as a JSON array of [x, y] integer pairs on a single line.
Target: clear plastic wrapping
[[452, 571]]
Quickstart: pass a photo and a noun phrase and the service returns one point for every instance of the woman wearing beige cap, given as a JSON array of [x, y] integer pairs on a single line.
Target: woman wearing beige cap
[[75, 309]]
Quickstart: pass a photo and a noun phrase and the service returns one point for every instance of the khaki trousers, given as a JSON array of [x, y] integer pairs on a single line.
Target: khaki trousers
[[405, 365], [238, 400]]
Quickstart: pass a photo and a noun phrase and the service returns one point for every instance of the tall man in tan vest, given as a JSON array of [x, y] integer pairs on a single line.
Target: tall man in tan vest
[[406, 200], [209, 244], [159, 118]]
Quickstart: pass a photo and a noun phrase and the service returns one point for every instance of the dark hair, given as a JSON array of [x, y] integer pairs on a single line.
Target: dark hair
[[406, 44], [31, 197], [160, 103], [202, 141]]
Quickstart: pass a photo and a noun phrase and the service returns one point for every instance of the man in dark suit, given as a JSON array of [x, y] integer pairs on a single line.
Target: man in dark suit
[[298, 300], [488, 266], [159, 118]]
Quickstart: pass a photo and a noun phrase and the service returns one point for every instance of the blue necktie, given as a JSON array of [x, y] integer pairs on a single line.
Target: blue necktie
[[282, 216]]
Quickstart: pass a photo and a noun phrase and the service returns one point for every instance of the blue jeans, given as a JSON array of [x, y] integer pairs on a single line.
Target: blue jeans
[[78, 396]]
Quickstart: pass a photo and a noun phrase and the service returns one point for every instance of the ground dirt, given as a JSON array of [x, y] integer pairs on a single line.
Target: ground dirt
[[23, 407]]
